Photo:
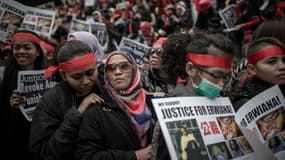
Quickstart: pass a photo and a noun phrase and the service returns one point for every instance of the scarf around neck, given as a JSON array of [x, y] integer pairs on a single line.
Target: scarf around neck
[[132, 100]]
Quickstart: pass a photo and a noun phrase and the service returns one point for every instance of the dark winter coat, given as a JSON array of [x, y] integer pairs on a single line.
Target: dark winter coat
[[55, 125], [107, 133], [251, 87]]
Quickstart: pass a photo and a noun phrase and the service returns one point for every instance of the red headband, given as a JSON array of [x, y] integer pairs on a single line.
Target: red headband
[[26, 36], [265, 52], [210, 60], [72, 65], [7, 47], [160, 41], [47, 46]]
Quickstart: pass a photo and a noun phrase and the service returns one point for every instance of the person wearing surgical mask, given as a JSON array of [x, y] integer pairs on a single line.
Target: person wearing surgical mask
[[207, 65]]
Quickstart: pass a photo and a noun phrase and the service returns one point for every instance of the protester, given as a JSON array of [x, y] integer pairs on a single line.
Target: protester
[[89, 39], [48, 50], [58, 115], [152, 79], [205, 11], [265, 68], [121, 128], [27, 55], [207, 65], [173, 53], [249, 19], [267, 29]]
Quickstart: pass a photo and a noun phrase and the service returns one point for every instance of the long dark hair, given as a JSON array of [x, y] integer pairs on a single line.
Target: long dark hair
[[173, 55], [10, 77]]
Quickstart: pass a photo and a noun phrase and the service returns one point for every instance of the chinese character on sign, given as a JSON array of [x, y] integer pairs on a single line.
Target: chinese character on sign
[[206, 129], [210, 128], [214, 127]]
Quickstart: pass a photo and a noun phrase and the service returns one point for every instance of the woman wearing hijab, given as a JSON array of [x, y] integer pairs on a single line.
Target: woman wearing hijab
[[89, 39], [120, 128]]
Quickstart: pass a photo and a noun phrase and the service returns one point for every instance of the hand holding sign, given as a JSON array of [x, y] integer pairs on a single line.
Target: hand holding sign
[[16, 99]]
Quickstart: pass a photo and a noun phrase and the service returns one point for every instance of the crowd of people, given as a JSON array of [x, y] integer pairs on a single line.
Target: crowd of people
[[101, 106]]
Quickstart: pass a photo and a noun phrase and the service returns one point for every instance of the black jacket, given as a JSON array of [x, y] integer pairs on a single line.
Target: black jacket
[[107, 133], [55, 125], [251, 87]]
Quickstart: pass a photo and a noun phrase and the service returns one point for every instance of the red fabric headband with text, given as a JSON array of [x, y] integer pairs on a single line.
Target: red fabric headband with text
[[210, 60], [47, 46], [265, 52], [74, 64], [26, 36]]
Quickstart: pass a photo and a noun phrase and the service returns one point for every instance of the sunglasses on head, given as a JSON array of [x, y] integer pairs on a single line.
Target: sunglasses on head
[[123, 66]]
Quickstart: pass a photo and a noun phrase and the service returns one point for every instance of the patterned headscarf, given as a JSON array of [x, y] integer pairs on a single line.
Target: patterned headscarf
[[132, 100]]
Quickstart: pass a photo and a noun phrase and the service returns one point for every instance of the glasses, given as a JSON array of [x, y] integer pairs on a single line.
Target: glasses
[[155, 50], [217, 77], [123, 66]]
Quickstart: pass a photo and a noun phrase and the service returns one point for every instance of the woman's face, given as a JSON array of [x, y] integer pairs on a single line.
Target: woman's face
[[119, 72], [270, 69], [25, 53], [154, 59], [83, 80], [228, 126], [271, 123]]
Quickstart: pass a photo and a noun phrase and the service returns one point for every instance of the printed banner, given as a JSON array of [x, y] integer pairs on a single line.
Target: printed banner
[[11, 17], [39, 20], [228, 15], [136, 49], [32, 85], [201, 128], [265, 115], [89, 3], [100, 31], [79, 25]]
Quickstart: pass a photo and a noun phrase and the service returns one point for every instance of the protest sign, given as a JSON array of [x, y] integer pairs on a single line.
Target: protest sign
[[136, 49], [32, 85], [228, 15], [122, 5], [100, 31], [201, 128], [39, 20], [265, 115], [79, 25], [11, 17], [89, 3]]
